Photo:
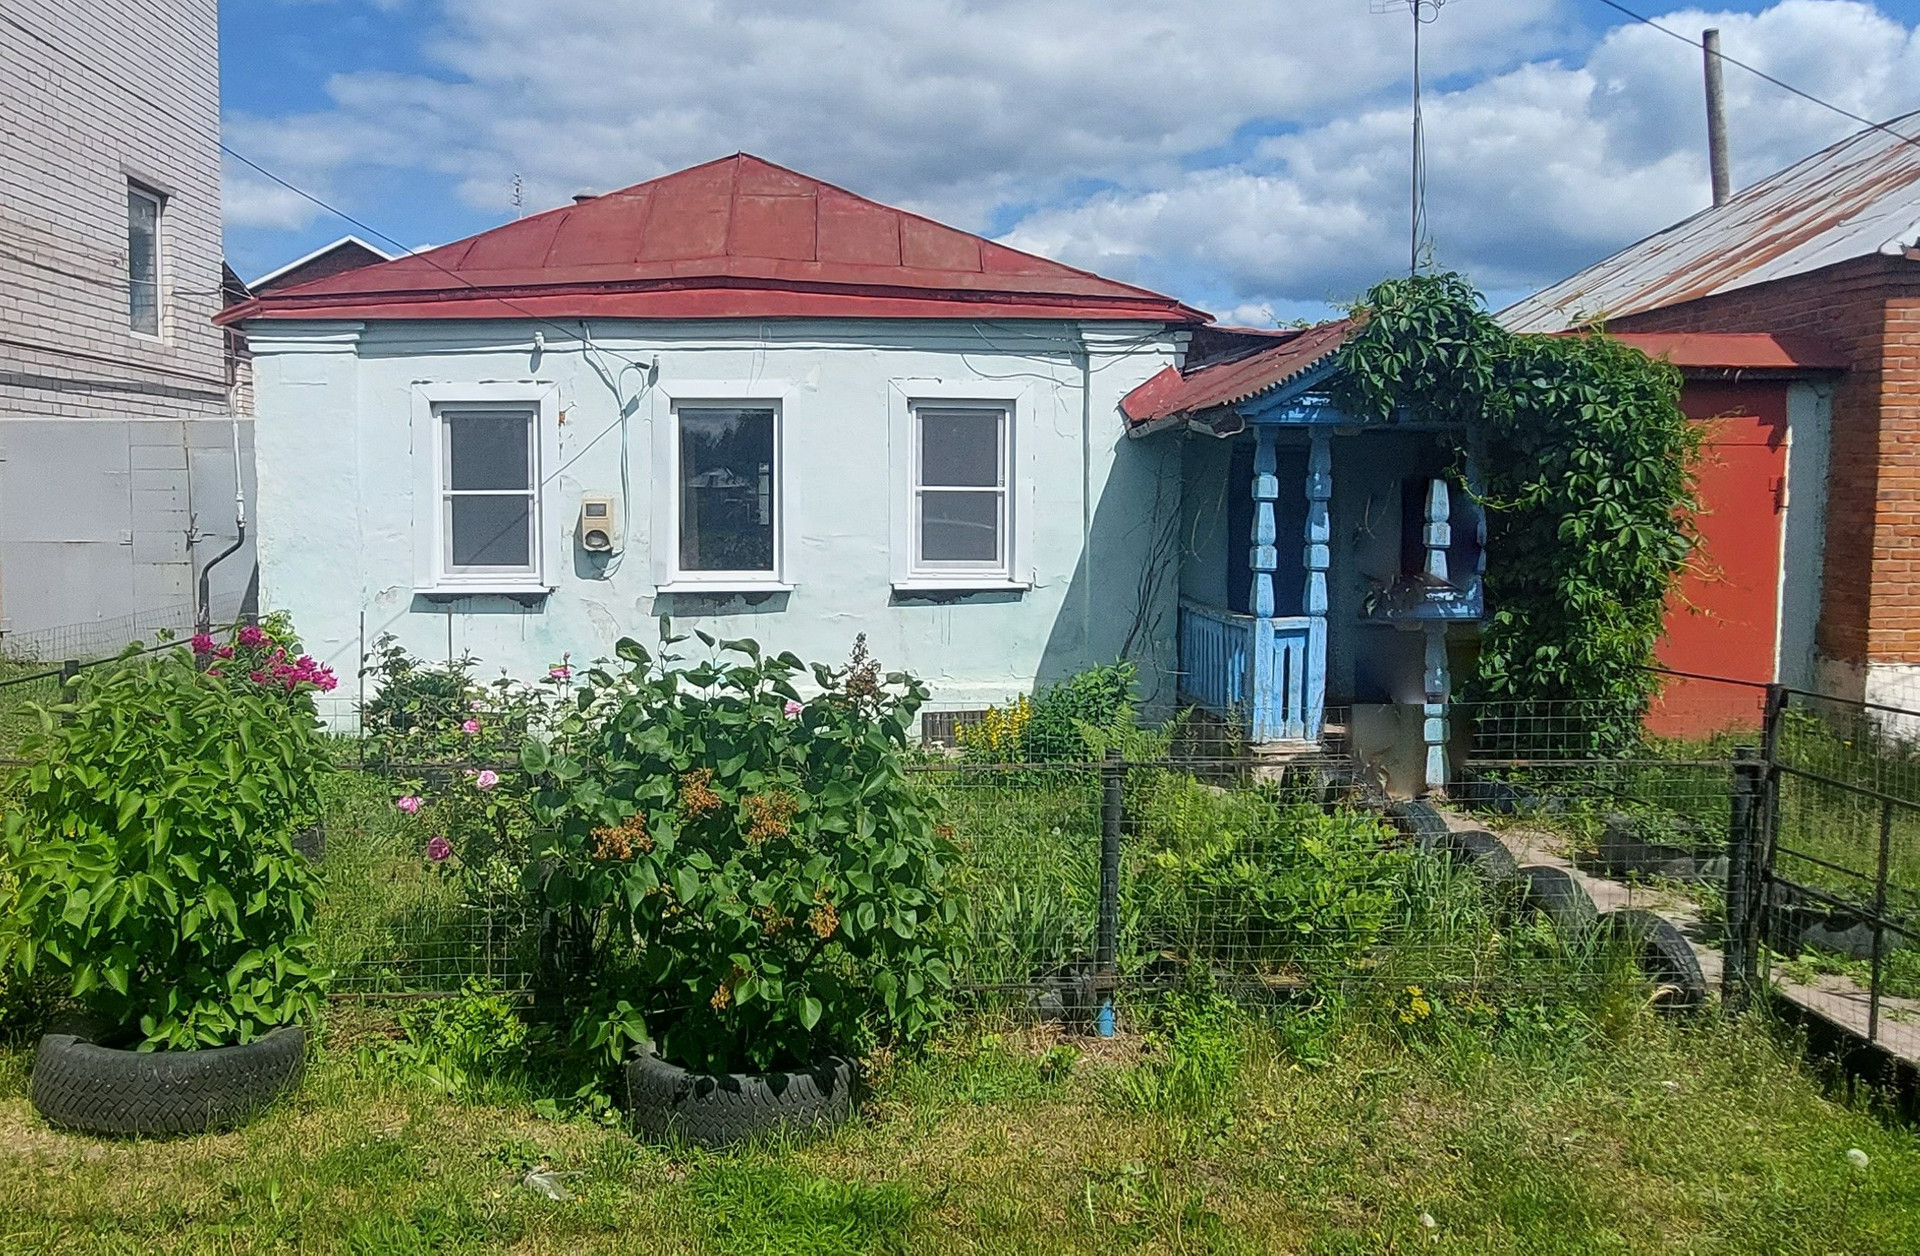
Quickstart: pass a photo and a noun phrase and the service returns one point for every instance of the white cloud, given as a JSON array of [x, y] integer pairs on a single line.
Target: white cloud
[[1531, 173], [1123, 135]]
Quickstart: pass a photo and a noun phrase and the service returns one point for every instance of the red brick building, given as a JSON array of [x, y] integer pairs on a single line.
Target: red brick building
[[1825, 256]]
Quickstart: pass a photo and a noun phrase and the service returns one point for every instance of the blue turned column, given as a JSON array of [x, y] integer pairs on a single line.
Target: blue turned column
[[1437, 536], [1317, 558], [1263, 558]]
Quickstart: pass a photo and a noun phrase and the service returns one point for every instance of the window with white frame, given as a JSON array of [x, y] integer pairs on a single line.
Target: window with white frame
[[489, 490], [727, 488], [961, 509], [143, 260]]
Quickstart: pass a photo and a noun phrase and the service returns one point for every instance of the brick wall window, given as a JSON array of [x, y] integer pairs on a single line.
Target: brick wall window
[[143, 260]]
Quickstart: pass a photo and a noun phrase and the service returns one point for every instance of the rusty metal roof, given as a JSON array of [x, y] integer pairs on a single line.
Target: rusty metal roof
[[735, 238], [1756, 351], [1858, 197], [1174, 392]]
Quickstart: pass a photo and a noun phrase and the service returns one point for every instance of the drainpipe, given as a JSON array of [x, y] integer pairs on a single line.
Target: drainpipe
[[205, 618]]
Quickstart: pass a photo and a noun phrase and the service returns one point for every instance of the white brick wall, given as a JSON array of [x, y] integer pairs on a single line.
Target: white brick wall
[[70, 139]]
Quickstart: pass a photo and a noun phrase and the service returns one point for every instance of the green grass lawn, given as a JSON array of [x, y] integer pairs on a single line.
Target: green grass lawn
[[1236, 1136]]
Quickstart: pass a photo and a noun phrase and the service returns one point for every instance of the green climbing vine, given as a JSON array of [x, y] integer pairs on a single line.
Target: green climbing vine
[[1585, 468]]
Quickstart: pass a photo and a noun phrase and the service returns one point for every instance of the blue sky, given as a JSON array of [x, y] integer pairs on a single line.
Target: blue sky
[[1252, 161]]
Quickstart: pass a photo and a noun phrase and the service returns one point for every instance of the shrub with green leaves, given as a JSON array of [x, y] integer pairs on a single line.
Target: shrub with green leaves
[[152, 844], [1585, 463], [745, 877]]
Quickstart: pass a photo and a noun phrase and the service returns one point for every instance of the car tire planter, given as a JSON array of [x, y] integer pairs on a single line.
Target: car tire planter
[[1556, 894], [80, 1085], [1662, 953], [713, 1110], [1481, 851], [1419, 821]]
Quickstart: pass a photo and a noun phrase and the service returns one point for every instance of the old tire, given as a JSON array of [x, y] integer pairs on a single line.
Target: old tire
[[1480, 850], [668, 1103], [80, 1085], [1662, 954], [1418, 821], [1556, 894]]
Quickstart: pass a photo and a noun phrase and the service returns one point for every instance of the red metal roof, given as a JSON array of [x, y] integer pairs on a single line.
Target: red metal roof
[[734, 238], [1172, 392], [1737, 351]]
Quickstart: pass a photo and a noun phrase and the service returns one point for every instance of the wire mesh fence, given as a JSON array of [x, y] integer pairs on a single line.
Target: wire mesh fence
[[1843, 897], [1269, 880]]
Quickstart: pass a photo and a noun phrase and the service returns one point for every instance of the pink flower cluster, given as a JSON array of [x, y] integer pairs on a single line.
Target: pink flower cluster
[[410, 804], [301, 671]]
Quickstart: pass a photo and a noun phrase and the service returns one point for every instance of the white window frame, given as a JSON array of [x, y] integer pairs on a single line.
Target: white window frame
[[669, 401], [906, 397], [159, 199], [432, 574]]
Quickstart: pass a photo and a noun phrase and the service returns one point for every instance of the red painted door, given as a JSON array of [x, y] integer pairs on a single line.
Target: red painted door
[[1723, 618]]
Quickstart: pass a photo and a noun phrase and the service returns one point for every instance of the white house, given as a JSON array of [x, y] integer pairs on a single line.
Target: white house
[[735, 396]]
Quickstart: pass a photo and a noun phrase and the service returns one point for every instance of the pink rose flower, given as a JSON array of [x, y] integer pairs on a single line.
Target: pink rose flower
[[439, 849], [251, 636], [410, 804], [202, 643], [559, 672], [487, 779], [225, 651], [793, 708], [471, 726]]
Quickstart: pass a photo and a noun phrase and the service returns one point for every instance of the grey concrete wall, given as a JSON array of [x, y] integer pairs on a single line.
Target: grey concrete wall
[[103, 526]]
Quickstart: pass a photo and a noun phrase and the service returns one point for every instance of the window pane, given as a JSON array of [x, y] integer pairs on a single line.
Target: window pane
[[960, 448], [960, 527], [143, 262], [490, 531], [726, 490], [488, 449]]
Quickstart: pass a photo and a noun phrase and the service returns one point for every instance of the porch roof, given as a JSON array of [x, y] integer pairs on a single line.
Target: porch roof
[[1174, 393]]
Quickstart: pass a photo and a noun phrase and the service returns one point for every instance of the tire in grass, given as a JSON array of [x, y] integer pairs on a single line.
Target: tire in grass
[[1556, 894], [80, 1085], [667, 1103], [1662, 954], [1480, 850], [1418, 821]]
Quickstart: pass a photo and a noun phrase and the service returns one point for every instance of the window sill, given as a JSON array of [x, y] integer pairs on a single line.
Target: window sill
[[523, 590], [720, 588], [960, 583]]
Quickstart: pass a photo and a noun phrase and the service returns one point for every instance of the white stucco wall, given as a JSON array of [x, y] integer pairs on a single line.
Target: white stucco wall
[[337, 475]]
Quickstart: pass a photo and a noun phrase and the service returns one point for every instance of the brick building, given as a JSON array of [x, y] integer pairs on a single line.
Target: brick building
[[1828, 248], [119, 445]]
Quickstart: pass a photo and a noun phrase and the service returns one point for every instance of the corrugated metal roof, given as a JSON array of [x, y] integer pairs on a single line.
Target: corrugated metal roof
[[734, 238], [1173, 392], [1737, 351], [1855, 198]]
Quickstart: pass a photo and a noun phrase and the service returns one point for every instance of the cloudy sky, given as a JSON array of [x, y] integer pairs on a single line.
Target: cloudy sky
[[1248, 156]]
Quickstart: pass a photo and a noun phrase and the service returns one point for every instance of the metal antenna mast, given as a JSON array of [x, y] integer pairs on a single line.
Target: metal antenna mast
[[1423, 12]]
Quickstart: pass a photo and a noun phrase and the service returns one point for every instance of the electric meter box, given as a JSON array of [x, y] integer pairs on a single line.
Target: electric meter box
[[599, 530]]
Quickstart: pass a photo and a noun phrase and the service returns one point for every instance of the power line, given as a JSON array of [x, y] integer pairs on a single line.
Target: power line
[[1782, 84]]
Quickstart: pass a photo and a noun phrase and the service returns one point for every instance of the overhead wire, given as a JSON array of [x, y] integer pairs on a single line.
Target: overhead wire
[[1782, 84]]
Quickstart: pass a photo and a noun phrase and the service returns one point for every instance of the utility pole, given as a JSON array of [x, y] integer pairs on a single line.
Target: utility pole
[[1716, 119]]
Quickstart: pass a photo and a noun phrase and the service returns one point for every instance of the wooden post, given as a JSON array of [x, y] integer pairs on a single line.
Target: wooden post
[[1317, 558], [1263, 557], [1433, 725]]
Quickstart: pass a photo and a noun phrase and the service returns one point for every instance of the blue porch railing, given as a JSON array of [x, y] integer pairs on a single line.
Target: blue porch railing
[[1275, 692]]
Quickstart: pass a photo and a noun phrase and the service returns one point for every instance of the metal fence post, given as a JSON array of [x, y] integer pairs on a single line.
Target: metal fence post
[[1743, 834], [1107, 937]]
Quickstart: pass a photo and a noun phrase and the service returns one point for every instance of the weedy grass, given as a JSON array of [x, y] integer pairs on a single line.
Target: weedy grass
[[1200, 1129]]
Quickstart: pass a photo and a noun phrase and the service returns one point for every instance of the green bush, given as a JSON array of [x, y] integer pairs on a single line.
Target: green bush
[[747, 878], [1247, 879], [1054, 726], [152, 843]]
